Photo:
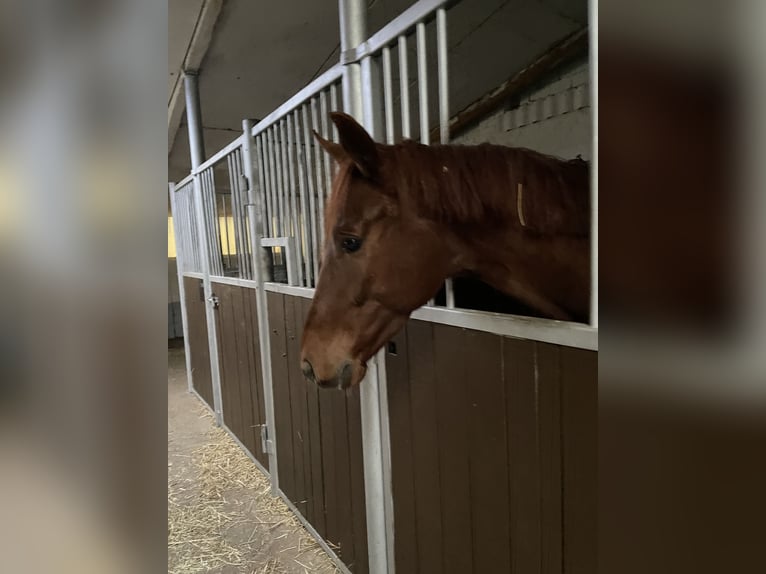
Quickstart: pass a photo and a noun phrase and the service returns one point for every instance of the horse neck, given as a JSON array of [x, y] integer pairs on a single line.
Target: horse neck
[[549, 273]]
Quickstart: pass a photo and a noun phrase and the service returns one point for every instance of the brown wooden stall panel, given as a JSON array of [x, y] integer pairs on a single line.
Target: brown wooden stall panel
[[493, 453], [319, 440], [239, 359], [198, 343]]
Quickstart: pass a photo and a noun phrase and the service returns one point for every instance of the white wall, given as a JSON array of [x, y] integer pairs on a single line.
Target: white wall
[[552, 118]]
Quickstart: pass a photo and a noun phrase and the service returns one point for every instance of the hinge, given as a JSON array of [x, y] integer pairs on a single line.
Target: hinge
[[266, 443]]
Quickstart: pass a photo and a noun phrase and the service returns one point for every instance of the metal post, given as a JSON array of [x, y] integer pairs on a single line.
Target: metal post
[[361, 91], [593, 70], [180, 258], [353, 30], [255, 209], [194, 121], [194, 118]]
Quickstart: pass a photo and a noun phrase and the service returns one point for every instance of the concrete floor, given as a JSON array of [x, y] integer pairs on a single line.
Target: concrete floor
[[221, 516]]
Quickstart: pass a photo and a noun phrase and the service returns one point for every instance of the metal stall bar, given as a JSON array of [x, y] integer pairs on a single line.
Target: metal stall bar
[[359, 102], [270, 149], [263, 194], [388, 95], [296, 226], [281, 184], [308, 142], [180, 259], [335, 108], [242, 200], [443, 67], [269, 153], [325, 118], [423, 91], [305, 224], [223, 229], [319, 159], [404, 86], [593, 69], [255, 209]]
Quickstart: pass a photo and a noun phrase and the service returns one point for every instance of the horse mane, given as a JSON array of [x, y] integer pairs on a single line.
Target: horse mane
[[487, 184]]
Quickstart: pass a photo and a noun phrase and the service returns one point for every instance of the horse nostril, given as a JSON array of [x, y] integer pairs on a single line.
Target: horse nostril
[[308, 371]]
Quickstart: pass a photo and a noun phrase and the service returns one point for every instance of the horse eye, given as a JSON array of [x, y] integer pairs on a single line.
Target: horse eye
[[351, 244]]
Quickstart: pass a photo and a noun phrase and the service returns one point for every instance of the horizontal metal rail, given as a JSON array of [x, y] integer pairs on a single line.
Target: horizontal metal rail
[[219, 155], [564, 333], [331, 76]]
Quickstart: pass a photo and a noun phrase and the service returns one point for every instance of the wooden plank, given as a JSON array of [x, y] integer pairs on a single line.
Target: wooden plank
[[316, 492], [198, 344], [579, 410], [244, 367], [523, 455], [329, 469], [260, 413], [549, 429], [342, 476], [452, 398], [402, 470], [297, 389], [282, 411], [227, 349], [425, 446], [254, 383], [488, 451], [356, 463]]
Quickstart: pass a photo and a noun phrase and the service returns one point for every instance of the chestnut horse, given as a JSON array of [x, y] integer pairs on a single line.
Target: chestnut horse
[[403, 218]]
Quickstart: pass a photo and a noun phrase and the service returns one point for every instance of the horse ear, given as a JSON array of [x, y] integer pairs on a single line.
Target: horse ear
[[335, 150], [357, 144]]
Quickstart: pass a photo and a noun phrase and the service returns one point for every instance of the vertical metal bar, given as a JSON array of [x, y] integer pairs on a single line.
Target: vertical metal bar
[[239, 200], [271, 149], [425, 136], [305, 235], [194, 118], [388, 95], [262, 194], [353, 31], [286, 220], [334, 108], [245, 184], [373, 110], [297, 231], [259, 264], [280, 184], [215, 239], [309, 142], [320, 183], [224, 235], [593, 71], [404, 86], [325, 134], [258, 228], [423, 82], [443, 68], [181, 290]]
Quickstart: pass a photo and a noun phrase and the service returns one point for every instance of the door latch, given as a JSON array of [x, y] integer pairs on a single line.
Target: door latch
[[214, 301]]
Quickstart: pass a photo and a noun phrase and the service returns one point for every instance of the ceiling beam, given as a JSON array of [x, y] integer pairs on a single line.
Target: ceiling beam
[[195, 52]]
